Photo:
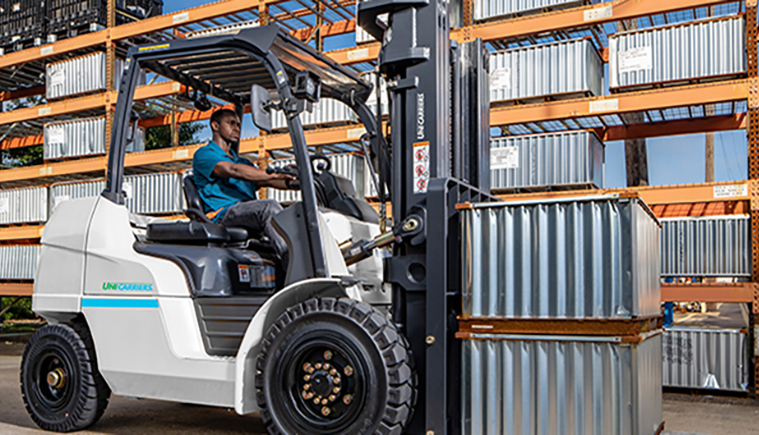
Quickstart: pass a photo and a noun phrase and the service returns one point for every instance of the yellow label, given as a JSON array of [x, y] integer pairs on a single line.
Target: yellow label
[[155, 47]]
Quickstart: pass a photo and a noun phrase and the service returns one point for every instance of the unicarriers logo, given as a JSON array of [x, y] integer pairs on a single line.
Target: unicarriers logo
[[128, 286], [420, 116]]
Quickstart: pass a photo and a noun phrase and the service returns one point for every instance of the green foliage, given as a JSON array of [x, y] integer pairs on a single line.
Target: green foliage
[[20, 310], [160, 137], [18, 157]]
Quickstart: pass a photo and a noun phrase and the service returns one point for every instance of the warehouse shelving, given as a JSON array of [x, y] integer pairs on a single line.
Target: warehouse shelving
[[732, 104]]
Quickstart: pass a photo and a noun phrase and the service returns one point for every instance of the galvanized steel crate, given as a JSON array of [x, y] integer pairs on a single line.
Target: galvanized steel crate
[[23, 205], [18, 262], [223, 30], [570, 159], [567, 68], [326, 112], [350, 166], [704, 49], [371, 102], [487, 9], [588, 257], [81, 75], [82, 137], [81, 189], [527, 385], [706, 246], [705, 358]]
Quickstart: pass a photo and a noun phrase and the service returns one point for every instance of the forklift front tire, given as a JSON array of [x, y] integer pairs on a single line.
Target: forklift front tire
[[60, 383], [335, 366]]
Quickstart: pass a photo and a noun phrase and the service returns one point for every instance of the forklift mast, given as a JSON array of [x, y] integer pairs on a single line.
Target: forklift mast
[[439, 113]]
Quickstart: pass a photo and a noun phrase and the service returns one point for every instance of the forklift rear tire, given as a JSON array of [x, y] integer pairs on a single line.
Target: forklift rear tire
[[335, 366], [60, 383]]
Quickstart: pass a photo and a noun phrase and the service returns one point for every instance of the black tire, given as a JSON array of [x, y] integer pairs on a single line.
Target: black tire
[[347, 349], [60, 383]]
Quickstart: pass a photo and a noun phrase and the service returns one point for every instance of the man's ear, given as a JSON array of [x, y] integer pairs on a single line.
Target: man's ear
[[214, 126]]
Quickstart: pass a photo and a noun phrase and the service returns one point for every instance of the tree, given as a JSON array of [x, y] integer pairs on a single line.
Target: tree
[[160, 137]]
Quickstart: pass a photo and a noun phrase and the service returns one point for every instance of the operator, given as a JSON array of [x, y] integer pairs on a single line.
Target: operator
[[227, 183]]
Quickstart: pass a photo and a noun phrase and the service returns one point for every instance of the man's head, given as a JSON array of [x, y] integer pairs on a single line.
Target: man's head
[[225, 125]]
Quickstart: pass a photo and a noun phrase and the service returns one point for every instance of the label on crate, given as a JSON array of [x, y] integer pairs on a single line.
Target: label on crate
[[635, 59], [504, 158], [421, 166], [56, 135], [4, 205], [500, 78], [730, 191], [57, 77], [127, 189], [598, 13]]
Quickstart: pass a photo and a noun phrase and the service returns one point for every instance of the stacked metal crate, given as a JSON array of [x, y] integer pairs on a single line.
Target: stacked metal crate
[[22, 24], [556, 160], [489, 9], [327, 112], [81, 137], [18, 262], [567, 68], [696, 51], [23, 205], [349, 166], [81, 75], [560, 317]]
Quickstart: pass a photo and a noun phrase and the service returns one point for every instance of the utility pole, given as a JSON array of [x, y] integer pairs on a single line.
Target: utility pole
[[709, 143], [636, 158]]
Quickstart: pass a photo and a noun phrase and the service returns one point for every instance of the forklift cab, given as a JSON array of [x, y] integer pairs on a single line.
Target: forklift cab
[[268, 70]]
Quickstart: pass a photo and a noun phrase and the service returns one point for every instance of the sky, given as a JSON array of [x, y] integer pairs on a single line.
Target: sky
[[671, 160]]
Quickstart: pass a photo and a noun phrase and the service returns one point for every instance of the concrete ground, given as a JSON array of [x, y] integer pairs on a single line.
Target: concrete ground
[[683, 414]]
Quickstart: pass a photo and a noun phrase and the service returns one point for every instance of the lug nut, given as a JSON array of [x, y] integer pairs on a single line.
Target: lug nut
[[316, 401], [307, 378], [336, 390], [318, 366], [348, 370], [307, 367], [325, 401], [332, 397], [333, 372], [307, 387], [325, 411], [326, 366], [305, 395], [336, 381], [347, 399], [327, 355]]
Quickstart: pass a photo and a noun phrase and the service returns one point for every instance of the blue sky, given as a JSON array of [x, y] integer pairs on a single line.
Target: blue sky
[[671, 160]]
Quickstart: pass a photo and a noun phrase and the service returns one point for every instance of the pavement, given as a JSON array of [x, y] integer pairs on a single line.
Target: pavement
[[683, 414]]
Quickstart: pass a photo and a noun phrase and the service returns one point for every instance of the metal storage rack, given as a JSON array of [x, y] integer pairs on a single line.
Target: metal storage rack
[[666, 111]]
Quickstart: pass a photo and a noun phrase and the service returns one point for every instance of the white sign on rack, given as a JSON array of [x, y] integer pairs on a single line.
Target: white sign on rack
[[504, 158], [730, 191]]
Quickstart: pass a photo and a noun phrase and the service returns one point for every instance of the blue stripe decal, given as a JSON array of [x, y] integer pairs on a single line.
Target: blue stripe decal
[[119, 303]]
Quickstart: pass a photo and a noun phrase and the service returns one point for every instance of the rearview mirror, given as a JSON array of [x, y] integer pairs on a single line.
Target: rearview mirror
[[259, 107]]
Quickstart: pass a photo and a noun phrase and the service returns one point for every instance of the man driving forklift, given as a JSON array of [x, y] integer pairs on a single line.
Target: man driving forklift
[[227, 183]]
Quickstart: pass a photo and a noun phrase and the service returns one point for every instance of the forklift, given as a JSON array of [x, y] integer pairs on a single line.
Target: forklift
[[357, 335]]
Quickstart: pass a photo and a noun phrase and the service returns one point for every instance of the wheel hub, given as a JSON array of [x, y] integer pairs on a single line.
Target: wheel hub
[[56, 378], [326, 386]]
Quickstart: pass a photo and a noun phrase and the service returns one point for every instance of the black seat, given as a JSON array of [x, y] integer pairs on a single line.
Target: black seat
[[200, 229]]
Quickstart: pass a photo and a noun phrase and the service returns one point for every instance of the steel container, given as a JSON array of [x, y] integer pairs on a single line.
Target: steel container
[[157, 193], [222, 30], [704, 49], [706, 246], [80, 75], [543, 160], [554, 385], [705, 358], [371, 102], [589, 257], [350, 166], [82, 137], [23, 205], [327, 111], [82, 189], [18, 262], [487, 9], [571, 67], [362, 36]]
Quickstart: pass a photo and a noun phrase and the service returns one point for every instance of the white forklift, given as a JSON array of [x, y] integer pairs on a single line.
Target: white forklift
[[195, 312]]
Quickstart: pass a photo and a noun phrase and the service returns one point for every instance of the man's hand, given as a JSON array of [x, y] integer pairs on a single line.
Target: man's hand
[[262, 178]]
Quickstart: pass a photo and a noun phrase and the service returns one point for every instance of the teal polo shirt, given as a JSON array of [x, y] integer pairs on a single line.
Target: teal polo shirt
[[217, 193]]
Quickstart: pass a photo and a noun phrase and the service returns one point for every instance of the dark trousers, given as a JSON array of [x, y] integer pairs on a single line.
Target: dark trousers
[[255, 216]]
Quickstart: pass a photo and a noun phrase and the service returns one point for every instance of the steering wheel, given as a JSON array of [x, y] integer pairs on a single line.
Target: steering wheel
[[290, 183]]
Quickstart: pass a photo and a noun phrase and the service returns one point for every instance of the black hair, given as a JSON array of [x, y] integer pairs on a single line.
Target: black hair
[[218, 115]]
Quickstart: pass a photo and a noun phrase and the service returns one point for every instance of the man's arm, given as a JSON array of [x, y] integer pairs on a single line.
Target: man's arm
[[225, 169]]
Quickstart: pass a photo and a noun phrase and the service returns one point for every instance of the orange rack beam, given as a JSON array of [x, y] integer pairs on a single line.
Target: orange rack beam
[[738, 293], [26, 232], [16, 289]]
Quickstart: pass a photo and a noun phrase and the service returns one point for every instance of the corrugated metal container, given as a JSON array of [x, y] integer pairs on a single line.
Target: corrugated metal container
[[157, 193], [363, 37], [486, 9], [350, 166], [18, 262], [81, 75], [326, 112], [681, 52], [562, 68], [223, 30], [542, 160], [705, 358], [541, 385], [706, 246], [590, 257], [81, 137], [372, 100], [23, 205]]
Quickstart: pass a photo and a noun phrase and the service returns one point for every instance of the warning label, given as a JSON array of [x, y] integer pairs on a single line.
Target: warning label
[[244, 272], [421, 166]]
